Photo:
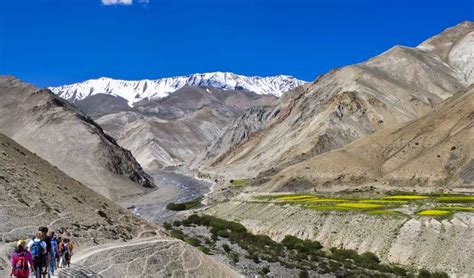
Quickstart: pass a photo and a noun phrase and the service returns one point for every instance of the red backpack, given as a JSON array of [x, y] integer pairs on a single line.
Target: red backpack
[[20, 269]]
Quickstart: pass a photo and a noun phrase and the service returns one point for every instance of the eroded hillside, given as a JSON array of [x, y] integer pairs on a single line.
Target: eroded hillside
[[346, 104], [56, 131], [436, 151]]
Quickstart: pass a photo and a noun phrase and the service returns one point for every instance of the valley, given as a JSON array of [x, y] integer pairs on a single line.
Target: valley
[[367, 171]]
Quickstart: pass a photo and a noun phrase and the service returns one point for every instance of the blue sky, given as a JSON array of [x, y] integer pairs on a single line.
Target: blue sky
[[54, 42]]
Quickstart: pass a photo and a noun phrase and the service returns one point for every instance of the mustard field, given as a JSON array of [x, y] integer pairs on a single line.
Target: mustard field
[[399, 205]]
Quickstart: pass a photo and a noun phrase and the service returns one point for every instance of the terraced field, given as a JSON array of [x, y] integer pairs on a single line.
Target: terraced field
[[398, 205]]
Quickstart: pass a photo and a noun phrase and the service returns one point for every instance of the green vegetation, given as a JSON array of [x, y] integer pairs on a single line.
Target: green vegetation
[[405, 197], [423, 273], [431, 205], [184, 206], [384, 212], [167, 226], [226, 248], [193, 241], [359, 205], [296, 197], [291, 252], [457, 208], [241, 182], [455, 199], [433, 212]]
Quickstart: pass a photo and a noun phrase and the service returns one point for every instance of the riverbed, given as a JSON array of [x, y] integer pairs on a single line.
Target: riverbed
[[173, 187]]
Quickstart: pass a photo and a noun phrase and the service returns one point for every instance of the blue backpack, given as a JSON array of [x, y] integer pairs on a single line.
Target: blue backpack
[[36, 250]]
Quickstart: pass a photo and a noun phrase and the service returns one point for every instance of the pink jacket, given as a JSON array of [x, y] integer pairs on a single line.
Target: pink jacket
[[15, 257]]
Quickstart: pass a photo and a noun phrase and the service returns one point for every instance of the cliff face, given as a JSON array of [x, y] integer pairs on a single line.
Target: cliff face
[[56, 131]]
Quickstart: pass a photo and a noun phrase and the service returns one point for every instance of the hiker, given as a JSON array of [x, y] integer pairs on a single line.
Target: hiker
[[54, 252], [20, 260], [60, 252], [47, 240], [38, 250], [65, 254], [59, 241]]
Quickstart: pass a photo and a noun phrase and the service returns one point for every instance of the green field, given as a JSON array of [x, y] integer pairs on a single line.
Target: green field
[[420, 205]]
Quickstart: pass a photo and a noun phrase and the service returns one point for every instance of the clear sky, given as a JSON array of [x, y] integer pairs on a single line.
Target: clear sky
[[55, 42]]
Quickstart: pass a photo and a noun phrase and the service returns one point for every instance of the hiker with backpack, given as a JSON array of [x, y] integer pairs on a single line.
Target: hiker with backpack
[[65, 251], [38, 249], [49, 249], [57, 256], [21, 258], [54, 252]]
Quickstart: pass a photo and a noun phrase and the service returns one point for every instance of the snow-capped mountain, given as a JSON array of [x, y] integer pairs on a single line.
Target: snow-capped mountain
[[134, 91]]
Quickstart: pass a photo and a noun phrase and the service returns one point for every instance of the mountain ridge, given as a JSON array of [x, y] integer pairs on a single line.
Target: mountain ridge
[[134, 91], [343, 105]]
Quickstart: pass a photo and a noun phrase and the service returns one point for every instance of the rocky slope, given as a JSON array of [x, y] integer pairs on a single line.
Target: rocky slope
[[135, 91], [174, 130], [420, 242], [436, 150], [34, 193], [56, 131], [346, 104]]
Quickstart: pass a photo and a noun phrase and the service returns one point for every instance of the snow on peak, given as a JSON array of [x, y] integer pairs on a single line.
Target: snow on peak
[[134, 91]]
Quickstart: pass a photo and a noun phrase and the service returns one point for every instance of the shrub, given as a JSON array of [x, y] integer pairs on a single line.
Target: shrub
[[194, 219], [367, 260], [265, 270], [193, 241], [423, 273], [334, 266], [205, 250], [184, 206], [234, 257], [175, 207], [226, 248], [223, 233], [177, 234], [303, 246], [177, 223], [303, 274], [167, 226], [439, 274], [343, 254], [398, 271]]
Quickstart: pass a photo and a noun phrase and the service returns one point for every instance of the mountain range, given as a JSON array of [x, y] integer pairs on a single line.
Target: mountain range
[[135, 91], [345, 104]]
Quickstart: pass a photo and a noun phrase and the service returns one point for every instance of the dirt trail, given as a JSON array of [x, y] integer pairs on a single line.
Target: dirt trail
[[112, 260]]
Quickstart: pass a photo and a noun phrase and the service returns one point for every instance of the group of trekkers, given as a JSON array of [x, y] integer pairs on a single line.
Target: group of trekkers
[[41, 254]]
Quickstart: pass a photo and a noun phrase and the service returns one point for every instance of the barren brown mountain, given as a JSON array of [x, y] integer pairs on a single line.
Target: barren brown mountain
[[47, 125], [400, 85], [436, 151]]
